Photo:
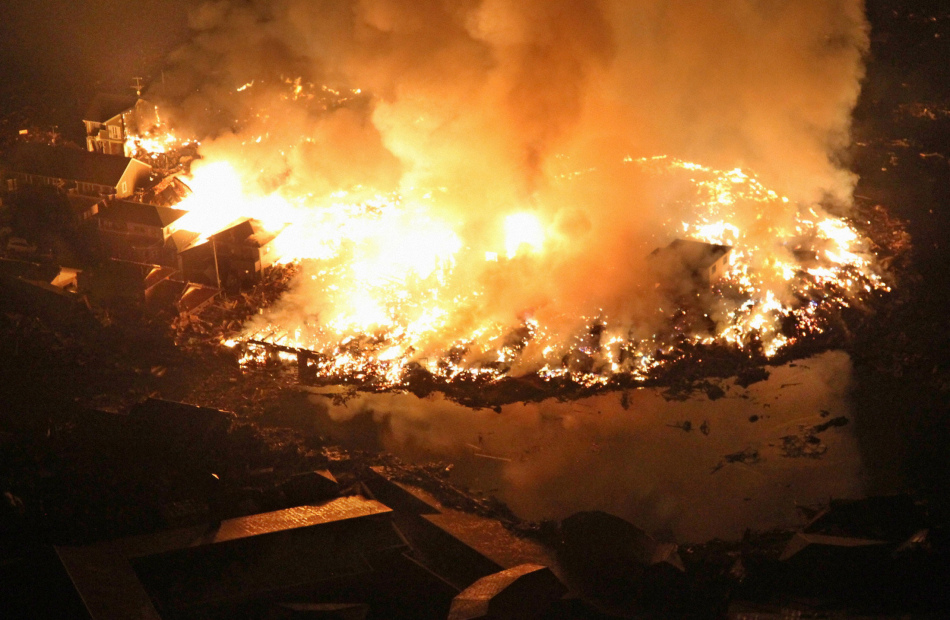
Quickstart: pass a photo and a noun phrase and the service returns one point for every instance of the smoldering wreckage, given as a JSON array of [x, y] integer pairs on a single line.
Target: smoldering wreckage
[[303, 529], [122, 296]]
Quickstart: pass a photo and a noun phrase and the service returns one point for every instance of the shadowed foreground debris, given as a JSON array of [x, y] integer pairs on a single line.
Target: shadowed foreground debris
[[525, 591]]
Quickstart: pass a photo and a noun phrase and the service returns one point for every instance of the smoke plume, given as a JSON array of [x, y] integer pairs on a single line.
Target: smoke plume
[[481, 109]]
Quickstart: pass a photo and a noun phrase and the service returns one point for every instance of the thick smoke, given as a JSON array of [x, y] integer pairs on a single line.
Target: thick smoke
[[488, 108]]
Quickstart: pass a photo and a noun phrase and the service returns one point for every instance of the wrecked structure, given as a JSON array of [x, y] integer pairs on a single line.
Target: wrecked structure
[[167, 192], [698, 261], [370, 537], [233, 257], [318, 540], [110, 119]]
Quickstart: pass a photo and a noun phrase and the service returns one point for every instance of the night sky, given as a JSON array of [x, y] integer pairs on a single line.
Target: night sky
[[55, 54]]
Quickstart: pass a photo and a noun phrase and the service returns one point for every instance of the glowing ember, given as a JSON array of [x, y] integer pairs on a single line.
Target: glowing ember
[[523, 230], [154, 141], [387, 270]]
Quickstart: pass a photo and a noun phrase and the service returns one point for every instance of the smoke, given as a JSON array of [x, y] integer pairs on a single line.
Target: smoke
[[548, 460], [467, 113], [477, 110]]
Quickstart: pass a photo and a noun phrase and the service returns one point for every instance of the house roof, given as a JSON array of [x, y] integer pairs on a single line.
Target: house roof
[[106, 105], [248, 232], [69, 164], [141, 213], [181, 239], [802, 541], [158, 274], [335, 537], [196, 296], [82, 204]]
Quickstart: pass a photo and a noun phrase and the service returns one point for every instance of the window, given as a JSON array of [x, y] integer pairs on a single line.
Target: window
[[125, 187], [115, 132]]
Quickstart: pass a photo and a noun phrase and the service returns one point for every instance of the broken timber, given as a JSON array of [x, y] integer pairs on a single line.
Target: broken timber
[[306, 360]]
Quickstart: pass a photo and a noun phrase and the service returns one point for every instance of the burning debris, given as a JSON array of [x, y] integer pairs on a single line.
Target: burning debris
[[380, 355], [464, 199], [515, 288], [519, 254]]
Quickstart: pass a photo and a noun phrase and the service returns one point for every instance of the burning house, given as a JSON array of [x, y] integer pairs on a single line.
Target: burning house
[[701, 262], [111, 119], [142, 232], [80, 172], [167, 192], [232, 257]]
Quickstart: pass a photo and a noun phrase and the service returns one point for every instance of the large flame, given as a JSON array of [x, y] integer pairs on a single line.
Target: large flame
[[383, 269], [451, 177]]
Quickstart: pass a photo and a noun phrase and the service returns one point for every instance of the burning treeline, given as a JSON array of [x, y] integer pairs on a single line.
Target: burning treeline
[[476, 186]]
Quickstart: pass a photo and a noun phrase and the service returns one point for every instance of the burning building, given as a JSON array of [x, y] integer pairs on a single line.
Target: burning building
[[695, 260], [467, 196], [112, 120], [233, 257], [142, 232]]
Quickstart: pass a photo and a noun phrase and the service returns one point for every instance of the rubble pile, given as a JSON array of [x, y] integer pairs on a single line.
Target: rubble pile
[[91, 453], [226, 317]]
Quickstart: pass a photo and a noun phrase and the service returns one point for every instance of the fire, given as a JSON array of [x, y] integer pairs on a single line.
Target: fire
[[152, 142], [386, 270], [523, 231]]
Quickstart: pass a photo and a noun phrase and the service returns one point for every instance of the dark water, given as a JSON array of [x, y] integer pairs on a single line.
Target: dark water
[[551, 459]]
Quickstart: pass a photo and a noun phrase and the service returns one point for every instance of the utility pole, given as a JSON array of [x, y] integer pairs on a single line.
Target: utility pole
[[217, 273], [137, 86]]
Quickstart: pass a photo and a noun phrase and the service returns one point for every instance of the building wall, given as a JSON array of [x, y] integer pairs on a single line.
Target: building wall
[[128, 228], [86, 189], [717, 269], [136, 175], [107, 137]]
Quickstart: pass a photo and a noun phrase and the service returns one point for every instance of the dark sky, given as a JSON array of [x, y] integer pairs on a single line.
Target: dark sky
[[54, 54]]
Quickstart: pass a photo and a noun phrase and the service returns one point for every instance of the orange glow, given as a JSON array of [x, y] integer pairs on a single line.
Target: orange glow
[[523, 232], [386, 276]]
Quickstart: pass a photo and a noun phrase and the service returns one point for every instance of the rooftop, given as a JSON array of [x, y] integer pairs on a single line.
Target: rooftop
[[67, 163], [105, 106], [248, 232], [141, 213], [692, 253]]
